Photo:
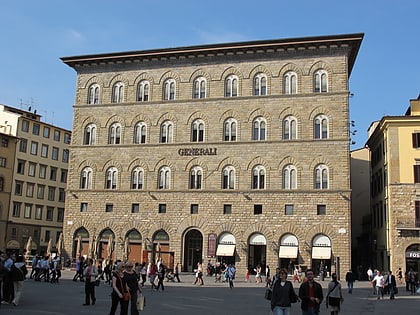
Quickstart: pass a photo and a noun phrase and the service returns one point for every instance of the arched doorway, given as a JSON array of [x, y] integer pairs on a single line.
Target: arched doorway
[[106, 245], [288, 252], [412, 257], [161, 248], [193, 250], [321, 255], [257, 251], [80, 243], [133, 249]]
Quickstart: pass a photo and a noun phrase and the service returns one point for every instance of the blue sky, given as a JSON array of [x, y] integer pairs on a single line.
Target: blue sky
[[35, 34]]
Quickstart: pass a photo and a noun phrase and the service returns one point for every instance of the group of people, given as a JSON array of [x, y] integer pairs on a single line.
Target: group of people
[[12, 274], [46, 268], [310, 294]]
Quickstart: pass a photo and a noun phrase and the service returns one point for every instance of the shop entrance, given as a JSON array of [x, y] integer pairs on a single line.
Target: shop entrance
[[193, 250], [412, 257]]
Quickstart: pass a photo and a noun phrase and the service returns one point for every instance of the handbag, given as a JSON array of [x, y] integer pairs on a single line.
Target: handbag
[[97, 282], [395, 290], [126, 296], [333, 301], [268, 294], [141, 302]]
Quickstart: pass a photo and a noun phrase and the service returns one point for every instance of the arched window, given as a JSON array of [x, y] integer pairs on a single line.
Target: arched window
[[86, 178], [258, 177], [93, 94], [111, 178], [320, 81], [137, 177], [143, 91], [89, 137], [169, 90], [140, 131], [114, 134], [289, 177], [197, 131], [290, 83], [258, 129], [196, 175], [229, 129], [228, 177], [166, 132], [164, 177], [199, 88], [260, 84], [289, 128], [321, 177], [118, 93], [321, 127], [231, 86]]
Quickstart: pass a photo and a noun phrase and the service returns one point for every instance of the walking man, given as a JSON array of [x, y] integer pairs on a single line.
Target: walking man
[[310, 293], [231, 270], [350, 281]]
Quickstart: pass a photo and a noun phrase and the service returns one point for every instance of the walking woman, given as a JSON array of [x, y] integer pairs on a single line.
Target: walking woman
[[283, 295], [90, 272], [334, 296], [120, 292], [131, 278]]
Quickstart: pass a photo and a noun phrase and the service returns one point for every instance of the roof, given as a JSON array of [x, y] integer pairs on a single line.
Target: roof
[[353, 41]]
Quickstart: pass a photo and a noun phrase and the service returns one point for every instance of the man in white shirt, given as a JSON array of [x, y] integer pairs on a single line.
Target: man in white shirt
[[379, 284]]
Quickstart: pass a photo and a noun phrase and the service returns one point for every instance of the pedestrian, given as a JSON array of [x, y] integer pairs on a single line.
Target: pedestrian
[[247, 275], [350, 281], [230, 272], [399, 275], [310, 293], [334, 296], [379, 283], [161, 276], [283, 294], [370, 274], [18, 274], [200, 273], [8, 291], [79, 270], [412, 281], [90, 273], [392, 284], [267, 277], [120, 291], [152, 271], [131, 279], [258, 278], [143, 273], [176, 274]]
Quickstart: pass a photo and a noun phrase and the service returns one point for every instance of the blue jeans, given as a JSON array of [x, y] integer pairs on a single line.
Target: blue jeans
[[350, 286], [281, 310]]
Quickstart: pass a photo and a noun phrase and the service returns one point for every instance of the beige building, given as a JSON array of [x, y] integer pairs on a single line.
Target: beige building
[[394, 144], [233, 152], [35, 176]]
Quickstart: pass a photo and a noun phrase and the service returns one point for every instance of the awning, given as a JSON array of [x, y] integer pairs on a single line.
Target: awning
[[225, 249], [288, 252], [321, 252]]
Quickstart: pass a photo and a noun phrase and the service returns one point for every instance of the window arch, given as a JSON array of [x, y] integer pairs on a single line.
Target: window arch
[[260, 84], [93, 94], [140, 132], [259, 129], [118, 92], [143, 91], [320, 81], [289, 177], [166, 132], [197, 131], [89, 137], [258, 177], [230, 129], [290, 83], [321, 177], [164, 177], [86, 178], [137, 178], [114, 136], [169, 87], [321, 127], [196, 175], [111, 178], [231, 86], [228, 177], [290, 128], [199, 88]]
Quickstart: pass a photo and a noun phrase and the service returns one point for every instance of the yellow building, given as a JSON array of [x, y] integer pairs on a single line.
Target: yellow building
[[36, 177], [235, 152], [394, 144]]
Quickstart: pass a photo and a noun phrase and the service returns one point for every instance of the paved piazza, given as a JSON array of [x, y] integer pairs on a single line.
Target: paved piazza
[[186, 299]]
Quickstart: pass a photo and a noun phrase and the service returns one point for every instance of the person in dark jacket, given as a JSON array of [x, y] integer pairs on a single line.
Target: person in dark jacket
[[310, 292], [283, 295], [350, 281]]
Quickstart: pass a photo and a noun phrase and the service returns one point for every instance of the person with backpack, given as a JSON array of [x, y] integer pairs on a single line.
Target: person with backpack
[[18, 273]]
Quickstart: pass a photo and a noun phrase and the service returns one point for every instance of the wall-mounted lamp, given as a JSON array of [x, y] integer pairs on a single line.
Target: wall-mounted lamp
[[151, 196], [246, 196]]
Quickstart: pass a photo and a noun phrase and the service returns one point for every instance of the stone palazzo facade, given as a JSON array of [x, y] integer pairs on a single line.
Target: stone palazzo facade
[[235, 152]]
